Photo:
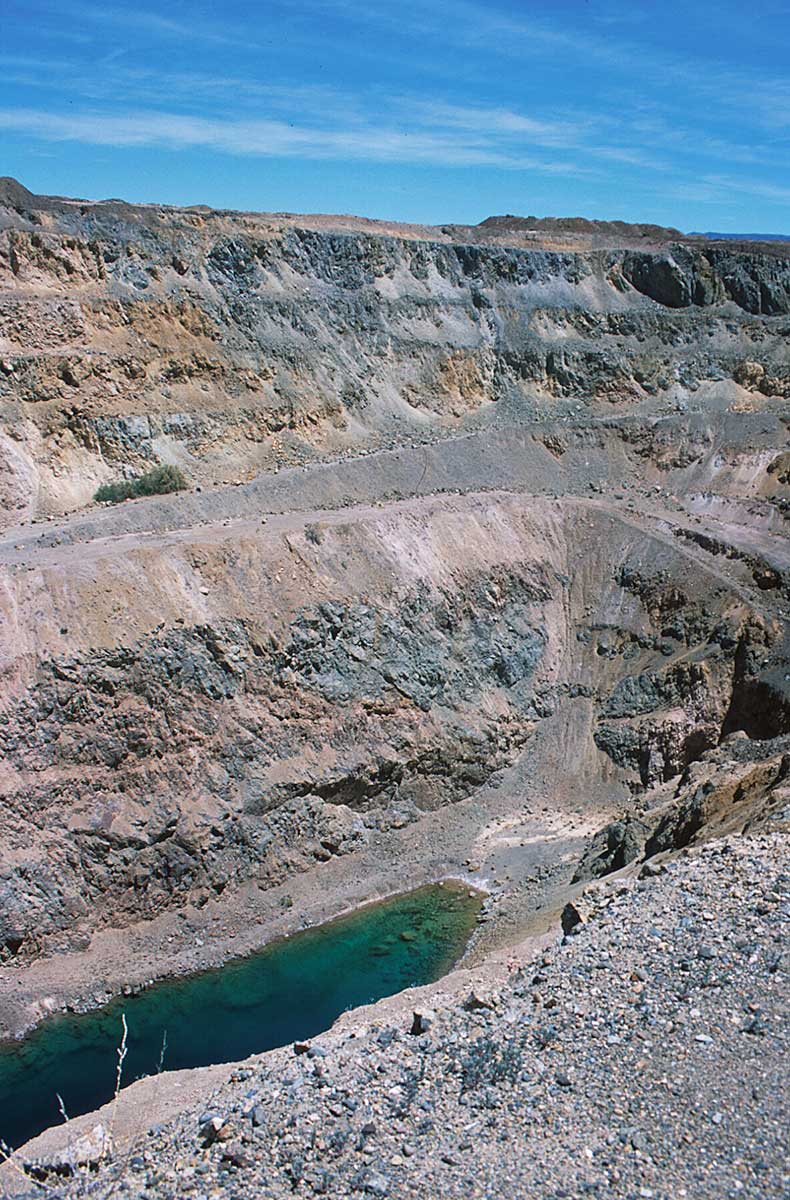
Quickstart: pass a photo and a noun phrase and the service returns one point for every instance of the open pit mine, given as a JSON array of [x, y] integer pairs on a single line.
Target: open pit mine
[[480, 577]]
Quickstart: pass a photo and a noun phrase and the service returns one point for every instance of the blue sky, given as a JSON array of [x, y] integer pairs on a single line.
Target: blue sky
[[420, 110]]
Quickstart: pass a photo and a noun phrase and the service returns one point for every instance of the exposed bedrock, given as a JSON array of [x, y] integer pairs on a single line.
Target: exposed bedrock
[[244, 708], [482, 570], [230, 342]]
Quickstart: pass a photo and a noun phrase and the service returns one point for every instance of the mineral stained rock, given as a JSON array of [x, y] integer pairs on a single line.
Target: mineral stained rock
[[482, 571]]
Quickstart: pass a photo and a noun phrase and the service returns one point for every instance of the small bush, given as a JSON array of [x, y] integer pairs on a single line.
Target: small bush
[[153, 483], [113, 492], [491, 1062]]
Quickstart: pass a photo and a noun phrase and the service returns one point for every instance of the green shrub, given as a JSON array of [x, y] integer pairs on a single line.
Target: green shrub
[[113, 492], [153, 483]]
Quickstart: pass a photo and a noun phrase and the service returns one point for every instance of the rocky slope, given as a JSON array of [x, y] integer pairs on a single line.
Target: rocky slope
[[228, 343], [482, 571], [641, 1056], [302, 688]]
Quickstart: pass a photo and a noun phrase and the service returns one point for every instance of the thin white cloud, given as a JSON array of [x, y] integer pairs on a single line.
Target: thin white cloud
[[735, 91], [685, 127], [273, 138], [724, 191], [631, 157], [492, 121], [152, 24], [441, 135], [748, 187]]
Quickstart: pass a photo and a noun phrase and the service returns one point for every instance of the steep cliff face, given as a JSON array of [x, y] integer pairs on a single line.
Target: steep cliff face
[[500, 582], [324, 692], [227, 343], [286, 694]]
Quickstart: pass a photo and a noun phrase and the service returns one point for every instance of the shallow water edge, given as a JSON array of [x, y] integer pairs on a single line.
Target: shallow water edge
[[292, 989]]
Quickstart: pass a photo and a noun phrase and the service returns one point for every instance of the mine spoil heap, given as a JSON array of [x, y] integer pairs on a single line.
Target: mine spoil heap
[[643, 1057], [481, 571]]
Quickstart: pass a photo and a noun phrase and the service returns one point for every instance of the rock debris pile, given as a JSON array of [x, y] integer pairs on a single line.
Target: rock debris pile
[[644, 1055]]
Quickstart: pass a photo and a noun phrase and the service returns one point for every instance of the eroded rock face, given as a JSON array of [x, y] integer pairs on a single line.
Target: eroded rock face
[[527, 554], [228, 342], [211, 752], [167, 768]]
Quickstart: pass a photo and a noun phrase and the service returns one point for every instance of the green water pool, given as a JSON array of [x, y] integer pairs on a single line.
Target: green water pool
[[293, 989]]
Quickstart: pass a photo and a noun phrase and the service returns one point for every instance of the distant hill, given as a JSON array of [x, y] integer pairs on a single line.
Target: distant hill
[[578, 225], [576, 233], [744, 237]]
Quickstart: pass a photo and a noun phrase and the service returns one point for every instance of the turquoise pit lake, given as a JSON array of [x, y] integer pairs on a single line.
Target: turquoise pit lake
[[292, 989]]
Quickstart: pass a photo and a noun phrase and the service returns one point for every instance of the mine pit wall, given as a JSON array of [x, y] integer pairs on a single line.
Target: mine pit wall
[[250, 708], [718, 457], [228, 346]]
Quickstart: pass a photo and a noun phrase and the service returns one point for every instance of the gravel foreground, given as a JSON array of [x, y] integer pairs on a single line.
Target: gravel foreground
[[644, 1055]]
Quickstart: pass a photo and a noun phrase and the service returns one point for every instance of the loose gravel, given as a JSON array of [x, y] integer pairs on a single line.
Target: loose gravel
[[641, 1056]]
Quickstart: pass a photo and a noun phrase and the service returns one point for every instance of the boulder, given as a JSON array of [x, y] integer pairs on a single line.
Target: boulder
[[576, 912], [481, 998], [87, 1150], [423, 1020]]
